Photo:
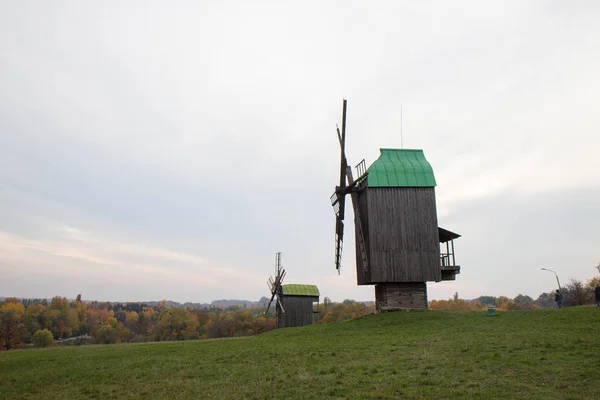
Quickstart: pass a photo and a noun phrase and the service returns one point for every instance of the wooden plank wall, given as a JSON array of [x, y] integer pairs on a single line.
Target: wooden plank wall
[[400, 296], [298, 311], [403, 235], [363, 273]]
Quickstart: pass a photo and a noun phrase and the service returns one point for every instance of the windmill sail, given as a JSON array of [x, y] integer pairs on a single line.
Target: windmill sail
[[339, 241], [338, 201], [275, 284]]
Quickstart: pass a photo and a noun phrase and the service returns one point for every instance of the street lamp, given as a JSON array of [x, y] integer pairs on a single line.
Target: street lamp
[[557, 281]]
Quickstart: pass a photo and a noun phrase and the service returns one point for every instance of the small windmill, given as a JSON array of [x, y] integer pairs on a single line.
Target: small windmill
[[275, 283], [395, 226]]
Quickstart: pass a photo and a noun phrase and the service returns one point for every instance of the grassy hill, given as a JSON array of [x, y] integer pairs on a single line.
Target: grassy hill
[[542, 354]]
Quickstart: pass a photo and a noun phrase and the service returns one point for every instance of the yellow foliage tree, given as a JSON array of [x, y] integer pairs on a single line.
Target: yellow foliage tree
[[131, 319], [112, 322]]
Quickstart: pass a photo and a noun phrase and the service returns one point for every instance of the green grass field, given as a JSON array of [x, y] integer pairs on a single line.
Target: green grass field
[[542, 354]]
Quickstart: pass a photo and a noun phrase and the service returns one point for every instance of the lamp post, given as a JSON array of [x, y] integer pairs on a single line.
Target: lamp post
[[557, 281]]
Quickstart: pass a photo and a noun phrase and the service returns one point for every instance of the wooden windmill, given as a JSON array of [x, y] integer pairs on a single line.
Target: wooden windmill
[[275, 284], [301, 301], [395, 223]]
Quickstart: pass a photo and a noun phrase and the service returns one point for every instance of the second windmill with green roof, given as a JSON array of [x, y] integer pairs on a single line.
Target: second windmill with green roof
[[396, 228], [296, 304]]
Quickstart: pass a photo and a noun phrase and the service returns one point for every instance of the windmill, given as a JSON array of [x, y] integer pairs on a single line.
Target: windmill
[[301, 300], [275, 283], [395, 224]]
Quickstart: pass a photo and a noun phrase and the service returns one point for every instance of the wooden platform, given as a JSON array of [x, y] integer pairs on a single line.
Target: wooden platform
[[449, 272]]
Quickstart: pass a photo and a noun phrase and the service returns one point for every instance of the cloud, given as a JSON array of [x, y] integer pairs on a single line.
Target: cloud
[[197, 140], [96, 261]]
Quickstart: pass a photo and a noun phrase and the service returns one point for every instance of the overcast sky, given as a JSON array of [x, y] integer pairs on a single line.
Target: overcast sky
[[168, 150]]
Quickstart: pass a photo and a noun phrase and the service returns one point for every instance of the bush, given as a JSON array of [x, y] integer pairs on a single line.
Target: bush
[[42, 338], [139, 339], [545, 300], [577, 294], [106, 334], [521, 302]]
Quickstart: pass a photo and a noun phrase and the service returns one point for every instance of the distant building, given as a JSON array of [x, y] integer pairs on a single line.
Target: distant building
[[299, 305]]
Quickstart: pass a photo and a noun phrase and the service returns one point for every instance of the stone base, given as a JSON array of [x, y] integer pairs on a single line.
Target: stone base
[[400, 296]]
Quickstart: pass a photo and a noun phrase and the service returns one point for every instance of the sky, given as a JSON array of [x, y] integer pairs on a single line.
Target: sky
[[167, 150]]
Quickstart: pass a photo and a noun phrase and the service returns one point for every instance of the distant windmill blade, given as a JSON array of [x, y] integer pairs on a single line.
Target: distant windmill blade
[[275, 284], [271, 284], [280, 305], [283, 273], [269, 305]]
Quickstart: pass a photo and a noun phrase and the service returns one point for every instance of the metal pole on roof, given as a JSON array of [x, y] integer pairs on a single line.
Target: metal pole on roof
[[401, 138]]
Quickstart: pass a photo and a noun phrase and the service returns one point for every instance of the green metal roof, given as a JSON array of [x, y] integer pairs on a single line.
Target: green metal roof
[[300, 290], [401, 168]]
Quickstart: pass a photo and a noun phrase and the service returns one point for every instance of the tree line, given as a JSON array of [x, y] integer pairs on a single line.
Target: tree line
[[575, 293], [103, 322], [40, 322]]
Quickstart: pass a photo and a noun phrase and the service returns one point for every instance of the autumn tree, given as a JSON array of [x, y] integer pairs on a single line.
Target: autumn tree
[[61, 319], [111, 321], [35, 317], [42, 338], [120, 315], [131, 320], [123, 334], [12, 329], [487, 300], [545, 300], [106, 334], [221, 325], [593, 283], [97, 317], [80, 309], [203, 318], [521, 302], [336, 312], [262, 324], [175, 324], [503, 303]]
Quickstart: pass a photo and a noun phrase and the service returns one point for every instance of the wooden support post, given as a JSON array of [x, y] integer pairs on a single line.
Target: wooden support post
[[447, 254]]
